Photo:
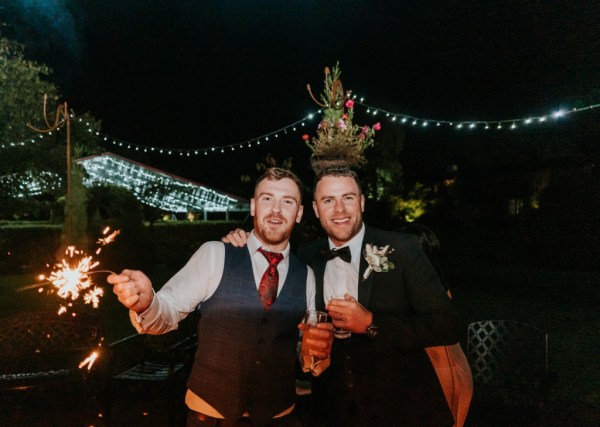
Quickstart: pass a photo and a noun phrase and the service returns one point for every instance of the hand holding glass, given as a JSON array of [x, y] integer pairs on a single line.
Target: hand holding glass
[[311, 319], [340, 333]]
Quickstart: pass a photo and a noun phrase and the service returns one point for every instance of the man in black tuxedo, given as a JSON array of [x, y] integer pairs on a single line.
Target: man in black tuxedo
[[380, 375], [394, 306]]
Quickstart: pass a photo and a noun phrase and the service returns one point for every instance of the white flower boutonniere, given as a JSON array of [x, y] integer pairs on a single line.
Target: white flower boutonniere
[[377, 259]]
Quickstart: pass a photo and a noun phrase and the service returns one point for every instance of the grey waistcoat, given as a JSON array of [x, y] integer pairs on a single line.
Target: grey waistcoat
[[246, 355]]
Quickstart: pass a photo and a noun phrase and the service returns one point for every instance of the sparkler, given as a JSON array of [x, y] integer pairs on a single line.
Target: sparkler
[[108, 239], [72, 276], [89, 361]]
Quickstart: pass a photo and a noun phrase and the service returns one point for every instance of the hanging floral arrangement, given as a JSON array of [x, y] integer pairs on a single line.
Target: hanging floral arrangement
[[339, 141]]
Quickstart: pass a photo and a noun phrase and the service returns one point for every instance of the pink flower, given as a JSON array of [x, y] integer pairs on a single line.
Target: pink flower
[[377, 126], [365, 129], [305, 137], [323, 124], [345, 116], [341, 124], [349, 103]]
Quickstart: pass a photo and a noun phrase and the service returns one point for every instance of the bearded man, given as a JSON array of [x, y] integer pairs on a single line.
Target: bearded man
[[251, 301]]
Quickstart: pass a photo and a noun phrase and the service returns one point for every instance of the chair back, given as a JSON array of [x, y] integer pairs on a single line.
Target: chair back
[[507, 353]]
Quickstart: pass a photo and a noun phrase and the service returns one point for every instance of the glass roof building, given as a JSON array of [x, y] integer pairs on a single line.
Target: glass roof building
[[158, 188]]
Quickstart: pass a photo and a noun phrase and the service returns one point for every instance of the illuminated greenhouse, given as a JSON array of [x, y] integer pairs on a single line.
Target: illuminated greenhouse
[[158, 188]]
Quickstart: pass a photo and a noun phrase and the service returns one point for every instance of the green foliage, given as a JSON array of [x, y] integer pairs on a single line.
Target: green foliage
[[22, 87], [174, 243], [415, 204], [114, 205], [247, 181], [271, 162], [382, 177], [565, 230], [78, 214], [24, 156], [22, 90], [27, 246]]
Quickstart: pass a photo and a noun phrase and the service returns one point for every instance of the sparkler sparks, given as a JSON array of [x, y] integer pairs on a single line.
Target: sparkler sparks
[[89, 361], [70, 280], [108, 239], [71, 276]]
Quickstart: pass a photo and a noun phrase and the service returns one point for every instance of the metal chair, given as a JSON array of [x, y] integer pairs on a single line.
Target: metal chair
[[42, 376], [509, 362], [154, 368]]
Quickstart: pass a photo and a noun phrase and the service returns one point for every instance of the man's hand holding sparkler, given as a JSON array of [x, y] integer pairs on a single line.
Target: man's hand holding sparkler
[[133, 289]]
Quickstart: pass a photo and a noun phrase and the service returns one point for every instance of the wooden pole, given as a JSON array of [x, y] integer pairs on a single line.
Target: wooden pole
[[69, 201]]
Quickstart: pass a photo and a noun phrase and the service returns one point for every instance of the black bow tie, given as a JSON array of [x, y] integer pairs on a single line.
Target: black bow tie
[[344, 253]]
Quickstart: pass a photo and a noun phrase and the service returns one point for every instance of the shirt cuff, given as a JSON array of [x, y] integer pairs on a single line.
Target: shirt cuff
[[143, 320]]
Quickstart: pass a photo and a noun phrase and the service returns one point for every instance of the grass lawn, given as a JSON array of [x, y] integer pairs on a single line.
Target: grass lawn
[[566, 304]]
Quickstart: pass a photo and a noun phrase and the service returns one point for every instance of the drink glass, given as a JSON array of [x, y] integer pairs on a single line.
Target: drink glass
[[311, 319], [340, 333]]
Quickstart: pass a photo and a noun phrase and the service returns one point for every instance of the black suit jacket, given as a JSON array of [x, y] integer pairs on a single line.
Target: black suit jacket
[[389, 379]]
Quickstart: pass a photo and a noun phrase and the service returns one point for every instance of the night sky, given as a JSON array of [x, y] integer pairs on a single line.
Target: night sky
[[193, 74]]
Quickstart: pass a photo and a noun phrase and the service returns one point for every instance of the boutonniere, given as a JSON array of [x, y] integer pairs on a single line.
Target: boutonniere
[[377, 258]]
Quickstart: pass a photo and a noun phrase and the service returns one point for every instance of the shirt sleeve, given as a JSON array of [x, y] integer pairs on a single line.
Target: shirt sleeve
[[181, 295], [311, 289]]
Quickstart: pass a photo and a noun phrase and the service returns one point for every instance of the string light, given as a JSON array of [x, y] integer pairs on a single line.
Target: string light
[[404, 119], [472, 124], [30, 140], [292, 127], [30, 184]]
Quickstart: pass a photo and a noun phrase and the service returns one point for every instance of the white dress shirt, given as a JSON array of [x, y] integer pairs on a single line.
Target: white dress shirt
[[340, 276], [198, 280]]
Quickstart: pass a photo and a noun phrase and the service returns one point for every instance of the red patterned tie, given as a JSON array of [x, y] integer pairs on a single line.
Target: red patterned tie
[[267, 289]]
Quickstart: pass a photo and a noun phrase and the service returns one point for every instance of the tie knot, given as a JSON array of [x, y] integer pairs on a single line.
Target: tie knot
[[274, 258], [344, 253]]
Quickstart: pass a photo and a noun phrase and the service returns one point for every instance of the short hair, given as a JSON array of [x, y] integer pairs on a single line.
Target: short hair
[[337, 171], [276, 174]]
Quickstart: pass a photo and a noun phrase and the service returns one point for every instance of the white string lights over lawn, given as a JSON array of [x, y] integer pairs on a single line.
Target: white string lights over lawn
[[407, 120], [398, 118], [33, 140], [268, 137]]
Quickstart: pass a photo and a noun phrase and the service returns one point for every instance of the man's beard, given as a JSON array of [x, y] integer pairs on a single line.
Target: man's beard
[[272, 236]]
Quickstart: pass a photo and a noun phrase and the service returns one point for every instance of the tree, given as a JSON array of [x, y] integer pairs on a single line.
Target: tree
[[382, 176], [33, 164]]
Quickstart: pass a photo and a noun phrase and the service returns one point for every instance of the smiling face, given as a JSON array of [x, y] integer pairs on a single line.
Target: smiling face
[[339, 205], [276, 207]]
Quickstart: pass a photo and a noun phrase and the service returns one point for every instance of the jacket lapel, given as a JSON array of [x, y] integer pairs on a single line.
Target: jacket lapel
[[365, 285]]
